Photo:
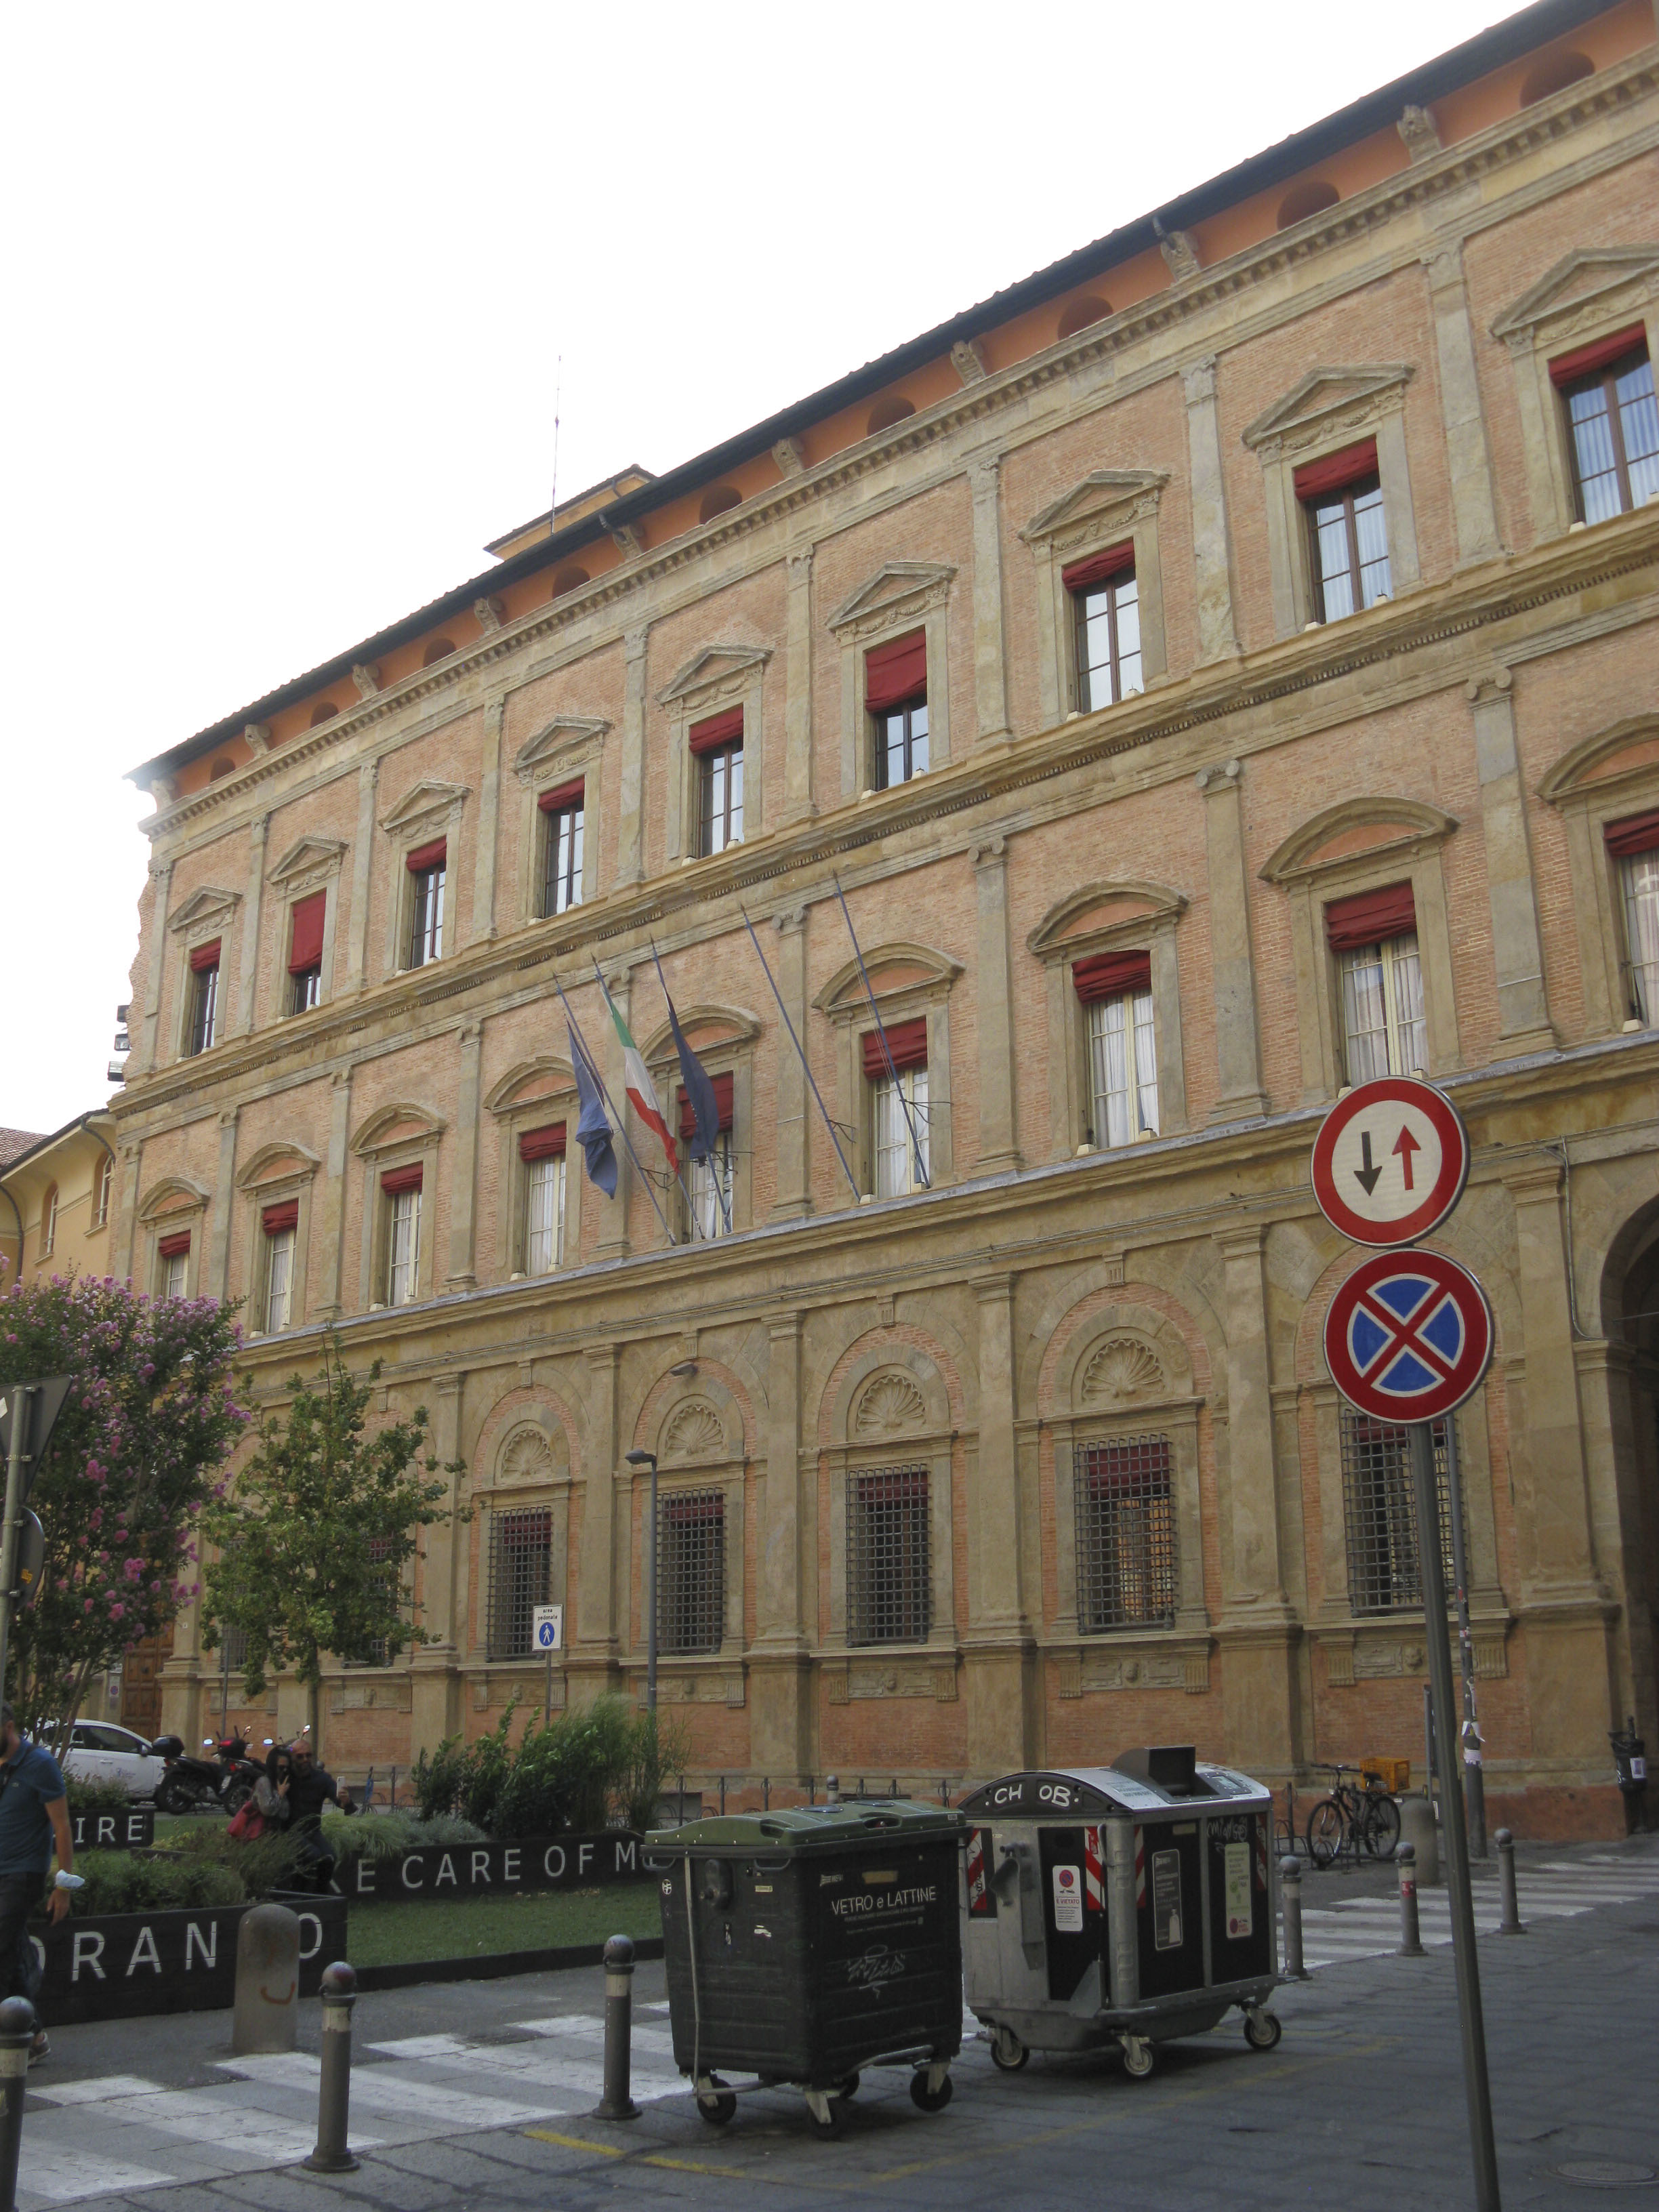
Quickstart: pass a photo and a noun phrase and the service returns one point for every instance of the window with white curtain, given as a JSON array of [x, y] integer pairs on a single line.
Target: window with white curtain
[[1382, 1009], [1639, 879], [404, 1247], [901, 1134], [279, 1281], [711, 1181], [543, 1240], [1123, 1067]]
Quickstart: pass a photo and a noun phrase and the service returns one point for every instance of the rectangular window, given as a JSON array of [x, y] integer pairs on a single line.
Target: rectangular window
[[1373, 938], [1634, 845], [544, 1241], [691, 1571], [716, 747], [1116, 991], [281, 1225], [173, 1255], [520, 1577], [1125, 1536], [426, 866], [401, 1190], [709, 1180], [1613, 425], [1106, 626], [898, 1104], [379, 1653], [204, 996], [1384, 1572], [305, 955], [1348, 536], [100, 1199], [889, 1594], [563, 813], [896, 695]]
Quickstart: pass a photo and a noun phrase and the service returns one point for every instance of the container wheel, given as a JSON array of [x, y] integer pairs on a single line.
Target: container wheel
[[849, 2088], [717, 2111], [1007, 2051], [928, 2099], [1139, 2057], [1262, 2029]]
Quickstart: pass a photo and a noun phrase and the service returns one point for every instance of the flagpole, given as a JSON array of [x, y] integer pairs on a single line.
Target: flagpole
[[904, 1104], [717, 1180], [805, 1070], [690, 1210], [621, 1126]]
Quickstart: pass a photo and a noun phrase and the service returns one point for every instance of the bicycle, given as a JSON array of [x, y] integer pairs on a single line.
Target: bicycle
[[1353, 1819]]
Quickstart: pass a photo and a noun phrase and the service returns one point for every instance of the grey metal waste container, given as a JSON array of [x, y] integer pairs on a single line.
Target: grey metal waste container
[[1128, 1904]]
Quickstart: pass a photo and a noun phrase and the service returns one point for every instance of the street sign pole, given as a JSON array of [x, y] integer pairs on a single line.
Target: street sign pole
[[1474, 1782], [21, 1396], [1471, 2022]]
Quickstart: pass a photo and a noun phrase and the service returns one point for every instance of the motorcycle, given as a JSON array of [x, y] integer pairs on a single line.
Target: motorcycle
[[195, 1785]]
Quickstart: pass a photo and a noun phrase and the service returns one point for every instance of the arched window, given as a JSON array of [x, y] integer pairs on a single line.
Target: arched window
[[892, 409], [1309, 197], [1080, 313], [49, 1221], [717, 500]]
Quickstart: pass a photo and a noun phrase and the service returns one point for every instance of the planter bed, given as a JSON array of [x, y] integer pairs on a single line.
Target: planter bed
[[128, 1963]]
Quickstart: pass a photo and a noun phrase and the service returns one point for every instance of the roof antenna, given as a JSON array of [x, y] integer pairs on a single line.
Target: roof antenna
[[553, 505]]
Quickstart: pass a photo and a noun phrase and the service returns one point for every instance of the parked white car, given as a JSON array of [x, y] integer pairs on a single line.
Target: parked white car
[[100, 1752]]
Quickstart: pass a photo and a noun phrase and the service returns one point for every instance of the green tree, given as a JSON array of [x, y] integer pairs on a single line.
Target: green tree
[[314, 1537], [142, 1438]]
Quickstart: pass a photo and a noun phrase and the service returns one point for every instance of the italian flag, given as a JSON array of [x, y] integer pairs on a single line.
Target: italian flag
[[636, 1081]]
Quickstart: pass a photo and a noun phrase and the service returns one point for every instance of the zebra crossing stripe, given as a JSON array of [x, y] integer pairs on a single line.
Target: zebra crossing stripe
[[72, 2175]]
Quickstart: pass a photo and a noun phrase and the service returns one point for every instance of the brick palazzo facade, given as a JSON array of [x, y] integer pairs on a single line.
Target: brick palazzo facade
[[1220, 666]]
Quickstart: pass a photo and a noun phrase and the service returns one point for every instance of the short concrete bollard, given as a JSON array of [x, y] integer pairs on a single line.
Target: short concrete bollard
[[1290, 1892], [17, 2025], [339, 1994], [1419, 1827], [617, 2104], [267, 2016], [1410, 1938], [1512, 1922]]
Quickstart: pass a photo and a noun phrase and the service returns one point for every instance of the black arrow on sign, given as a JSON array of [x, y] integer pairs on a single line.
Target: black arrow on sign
[[1368, 1175]]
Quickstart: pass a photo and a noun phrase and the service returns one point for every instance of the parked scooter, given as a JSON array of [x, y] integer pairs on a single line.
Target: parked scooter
[[195, 1785]]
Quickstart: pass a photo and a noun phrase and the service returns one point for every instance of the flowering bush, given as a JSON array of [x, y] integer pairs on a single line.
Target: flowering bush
[[138, 1449]]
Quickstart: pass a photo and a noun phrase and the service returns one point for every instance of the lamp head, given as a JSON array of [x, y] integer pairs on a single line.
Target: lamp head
[[642, 1459]]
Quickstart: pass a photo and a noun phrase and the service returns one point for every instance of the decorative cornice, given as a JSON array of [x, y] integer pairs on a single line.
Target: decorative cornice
[[1415, 823], [1328, 403], [567, 741], [897, 590], [1581, 285], [713, 670]]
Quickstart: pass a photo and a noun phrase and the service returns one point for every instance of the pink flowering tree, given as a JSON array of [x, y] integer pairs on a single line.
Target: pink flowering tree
[[138, 1450]]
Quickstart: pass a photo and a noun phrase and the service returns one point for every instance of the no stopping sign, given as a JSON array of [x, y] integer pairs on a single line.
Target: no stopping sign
[[1409, 1336]]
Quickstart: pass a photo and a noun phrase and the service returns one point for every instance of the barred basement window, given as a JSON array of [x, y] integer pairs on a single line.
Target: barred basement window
[[232, 1652], [691, 1571], [888, 1592], [520, 1571], [379, 1555], [1384, 1572], [1126, 1535]]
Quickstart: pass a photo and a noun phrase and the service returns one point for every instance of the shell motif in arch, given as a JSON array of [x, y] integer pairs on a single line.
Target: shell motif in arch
[[526, 1457], [1123, 1372], [695, 1432], [891, 1404]]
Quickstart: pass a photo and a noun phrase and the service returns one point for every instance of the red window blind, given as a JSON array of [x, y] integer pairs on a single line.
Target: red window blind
[[428, 856], [896, 672], [306, 945], [906, 1041], [276, 1218], [400, 1179], [708, 736], [1098, 566], [544, 1144], [1337, 470], [1369, 917], [203, 956], [1110, 973], [171, 1247], [722, 1099], [1588, 359], [1636, 833], [566, 795]]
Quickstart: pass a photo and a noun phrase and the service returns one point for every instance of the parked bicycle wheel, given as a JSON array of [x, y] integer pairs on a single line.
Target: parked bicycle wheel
[[1380, 1830], [1326, 1827]]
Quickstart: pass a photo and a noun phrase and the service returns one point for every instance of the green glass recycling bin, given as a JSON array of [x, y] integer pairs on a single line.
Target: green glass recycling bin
[[804, 1945]]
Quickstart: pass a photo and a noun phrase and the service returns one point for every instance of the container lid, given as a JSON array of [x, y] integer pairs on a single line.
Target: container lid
[[814, 1828], [1063, 1793]]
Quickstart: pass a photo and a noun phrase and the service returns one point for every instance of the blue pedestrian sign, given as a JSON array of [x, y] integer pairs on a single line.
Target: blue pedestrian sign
[[547, 1628]]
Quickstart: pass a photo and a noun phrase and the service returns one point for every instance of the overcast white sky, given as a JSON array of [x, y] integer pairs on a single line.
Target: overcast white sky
[[285, 289]]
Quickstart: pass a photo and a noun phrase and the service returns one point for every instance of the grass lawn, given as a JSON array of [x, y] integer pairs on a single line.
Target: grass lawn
[[382, 1935]]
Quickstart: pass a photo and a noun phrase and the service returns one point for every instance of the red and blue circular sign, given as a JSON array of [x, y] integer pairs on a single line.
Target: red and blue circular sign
[[1390, 1161], [1409, 1336]]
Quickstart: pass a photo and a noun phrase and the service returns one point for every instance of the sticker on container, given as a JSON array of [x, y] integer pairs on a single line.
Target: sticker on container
[[1166, 1901], [1068, 1900], [1236, 1860]]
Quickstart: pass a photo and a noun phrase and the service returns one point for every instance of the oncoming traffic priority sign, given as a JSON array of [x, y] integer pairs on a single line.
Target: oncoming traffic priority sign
[[1390, 1161], [1409, 1336]]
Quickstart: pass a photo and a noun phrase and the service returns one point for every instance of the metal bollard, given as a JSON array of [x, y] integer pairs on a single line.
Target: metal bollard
[[1512, 1922], [1290, 1892], [339, 1993], [17, 2025], [616, 2104], [1411, 1939]]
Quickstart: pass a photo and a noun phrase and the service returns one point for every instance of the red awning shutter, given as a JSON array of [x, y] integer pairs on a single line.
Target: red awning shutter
[[722, 1099], [400, 1179], [1588, 359], [565, 794], [1351, 923], [203, 956], [170, 1247], [428, 856], [1636, 833], [1109, 974], [276, 1218], [1337, 470], [708, 737], [544, 1144], [895, 673], [306, 943], [906, 1041], [1098, 566]]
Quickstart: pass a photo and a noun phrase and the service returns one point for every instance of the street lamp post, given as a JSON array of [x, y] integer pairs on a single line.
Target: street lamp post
[[649, 1459]]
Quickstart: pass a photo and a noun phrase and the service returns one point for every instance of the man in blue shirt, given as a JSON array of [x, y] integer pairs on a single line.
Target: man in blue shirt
[[33, 1820]]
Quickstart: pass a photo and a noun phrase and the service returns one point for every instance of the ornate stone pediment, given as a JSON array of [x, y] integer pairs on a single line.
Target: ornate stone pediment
[[568, 742], [899, 592], [203, 910], [1626, 754], [706, 1027], [398, 1125], [895, 970], [718, 672], [1123, 1372], [695, 1432], [1584, 291], [308, 863], [1328, 406], [1356, 830], [547, 1076], [282, 1161], [891, 1406], [1106, 501], [428, 805], [1097, 913], [172, 1195]]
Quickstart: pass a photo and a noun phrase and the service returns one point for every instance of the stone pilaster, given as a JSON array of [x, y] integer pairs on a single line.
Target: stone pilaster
[[630, 797], [125, 1232], [217, 1282], [148, 1054], [1467, 454], [798, 800], [998, 1150], [363, 865], [464, 1187], [1523, 1019], [998, 1650], [990, 670], [486, 855], [1212, 554], [327, 1260], [793, 1198], [594, 1650], [247, 981], [780, 1673], [435, 1687], [1238, 1034]]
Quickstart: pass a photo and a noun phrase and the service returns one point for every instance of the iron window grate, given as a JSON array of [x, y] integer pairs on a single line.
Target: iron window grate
[[520, 1571], [1126, 1535], [691, 1571], [1384, 1572], [889, 1598]]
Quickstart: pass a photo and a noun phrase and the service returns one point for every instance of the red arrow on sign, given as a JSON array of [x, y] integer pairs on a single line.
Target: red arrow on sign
[[1405, 1146]]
